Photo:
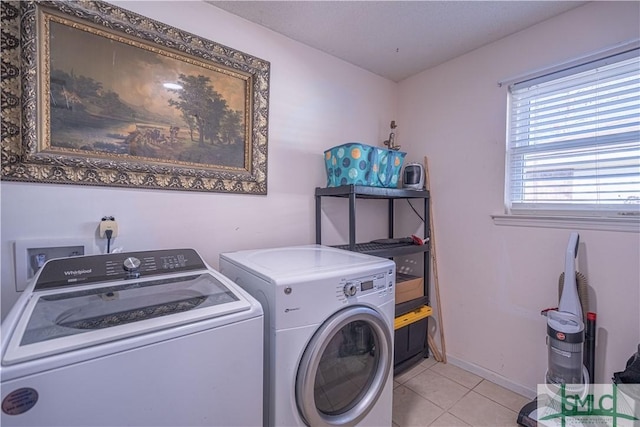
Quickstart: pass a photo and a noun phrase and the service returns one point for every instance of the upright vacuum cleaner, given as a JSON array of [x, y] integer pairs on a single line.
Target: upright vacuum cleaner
[[570, 350]]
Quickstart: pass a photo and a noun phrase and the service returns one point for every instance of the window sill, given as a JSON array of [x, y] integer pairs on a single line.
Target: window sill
[[627, 224]]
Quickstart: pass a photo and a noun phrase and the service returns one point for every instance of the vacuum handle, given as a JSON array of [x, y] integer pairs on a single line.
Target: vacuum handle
[[569, 300], [572, 249]]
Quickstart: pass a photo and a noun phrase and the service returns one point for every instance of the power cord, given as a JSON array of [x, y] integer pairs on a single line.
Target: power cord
[[108, 234], [414, 210]]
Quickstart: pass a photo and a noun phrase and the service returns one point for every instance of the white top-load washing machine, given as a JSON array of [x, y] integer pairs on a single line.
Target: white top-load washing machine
[[328, 333], [153, 338]]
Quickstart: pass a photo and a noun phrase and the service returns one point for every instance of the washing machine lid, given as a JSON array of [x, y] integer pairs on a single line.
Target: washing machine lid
[[63, 319], [298, 262]]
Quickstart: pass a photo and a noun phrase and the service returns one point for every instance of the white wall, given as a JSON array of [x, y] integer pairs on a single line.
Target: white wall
[[494, 280], [316, 102]]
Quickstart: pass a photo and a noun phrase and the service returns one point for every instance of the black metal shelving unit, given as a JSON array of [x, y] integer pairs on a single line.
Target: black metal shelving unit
[[385, 250]]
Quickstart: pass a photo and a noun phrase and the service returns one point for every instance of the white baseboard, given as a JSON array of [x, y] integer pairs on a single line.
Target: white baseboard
[[493, 377]]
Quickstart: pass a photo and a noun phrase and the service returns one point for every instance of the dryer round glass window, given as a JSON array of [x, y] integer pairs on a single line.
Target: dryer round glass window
[[344, 368]]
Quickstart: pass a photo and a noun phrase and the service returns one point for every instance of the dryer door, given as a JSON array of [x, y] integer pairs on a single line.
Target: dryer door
[[344, 368]]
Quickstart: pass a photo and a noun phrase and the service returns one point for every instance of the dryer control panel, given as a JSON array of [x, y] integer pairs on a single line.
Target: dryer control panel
[[379, 282]]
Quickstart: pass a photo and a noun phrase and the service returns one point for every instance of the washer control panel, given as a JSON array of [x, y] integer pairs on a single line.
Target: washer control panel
[[88, 269]]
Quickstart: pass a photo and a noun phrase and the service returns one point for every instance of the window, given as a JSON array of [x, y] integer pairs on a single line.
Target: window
[[573, 140]]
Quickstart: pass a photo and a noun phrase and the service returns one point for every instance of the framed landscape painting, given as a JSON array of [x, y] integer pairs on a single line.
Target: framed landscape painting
[[109, 97]]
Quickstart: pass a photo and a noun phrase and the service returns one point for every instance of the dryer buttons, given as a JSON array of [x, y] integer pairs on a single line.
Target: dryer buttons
[[350, 289]]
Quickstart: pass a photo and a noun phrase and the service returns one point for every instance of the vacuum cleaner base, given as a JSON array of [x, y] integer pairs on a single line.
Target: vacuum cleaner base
[[527, 415]]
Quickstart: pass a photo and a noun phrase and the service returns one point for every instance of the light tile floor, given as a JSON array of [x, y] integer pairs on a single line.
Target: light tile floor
[[437, 394]]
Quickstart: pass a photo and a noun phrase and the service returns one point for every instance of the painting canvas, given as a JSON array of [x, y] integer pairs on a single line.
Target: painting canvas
[[119, 99]]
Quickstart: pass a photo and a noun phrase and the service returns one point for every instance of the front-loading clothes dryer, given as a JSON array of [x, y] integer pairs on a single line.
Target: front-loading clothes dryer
[[154, 338], [328, 333]]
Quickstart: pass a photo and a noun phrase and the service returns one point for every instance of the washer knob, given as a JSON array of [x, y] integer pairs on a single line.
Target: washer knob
[[131, 264], [350, 289]]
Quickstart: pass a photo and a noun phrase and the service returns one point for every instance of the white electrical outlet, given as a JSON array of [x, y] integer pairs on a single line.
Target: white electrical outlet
[[108, 224]]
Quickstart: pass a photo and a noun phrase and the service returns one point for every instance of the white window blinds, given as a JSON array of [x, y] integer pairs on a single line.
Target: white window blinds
[[573, 140]]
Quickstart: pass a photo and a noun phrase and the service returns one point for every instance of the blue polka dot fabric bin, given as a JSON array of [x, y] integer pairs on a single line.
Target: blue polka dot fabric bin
[[361, 164]]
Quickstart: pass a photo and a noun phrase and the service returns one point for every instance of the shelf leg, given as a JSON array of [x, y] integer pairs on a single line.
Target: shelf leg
[[352, 221], [318, 220], [391, 218]]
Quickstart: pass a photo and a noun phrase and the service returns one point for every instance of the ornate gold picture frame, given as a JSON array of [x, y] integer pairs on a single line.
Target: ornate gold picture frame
[[96, 95]]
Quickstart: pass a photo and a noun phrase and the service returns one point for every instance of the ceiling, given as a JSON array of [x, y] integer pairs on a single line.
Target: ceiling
[[396, 39]]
